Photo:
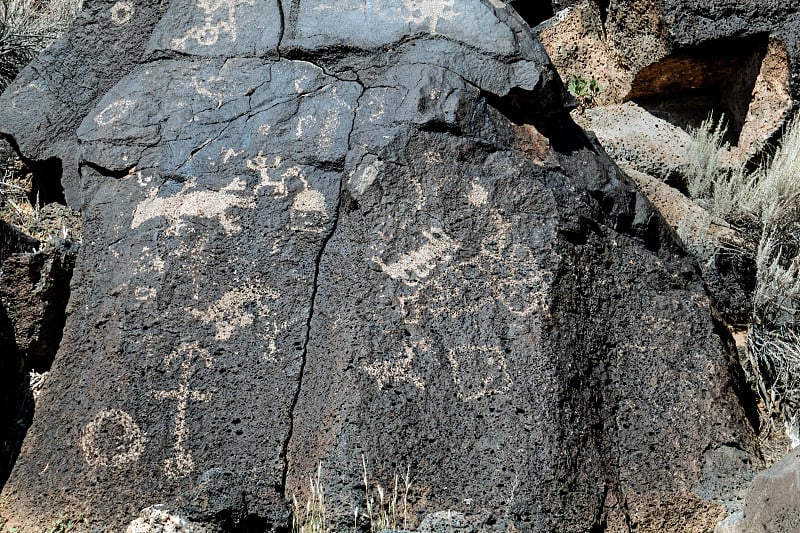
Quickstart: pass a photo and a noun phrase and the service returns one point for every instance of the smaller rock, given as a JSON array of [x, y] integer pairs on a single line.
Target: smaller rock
[[446, 522], [218, 499], [34, 293], [632, 136], [732, 524], [772, 505], [159, 519]]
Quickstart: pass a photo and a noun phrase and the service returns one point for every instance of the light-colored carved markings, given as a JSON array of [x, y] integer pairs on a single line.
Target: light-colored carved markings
[[308, 211], [205, 87], [114, 112], [479, 371], [477, 195], [501, 278], [181, 464], [264, 168], [415, 266], [219, 18], [121, 13], [112, 439], [398, 369], [190, 202], [158, 520], [365, 175], [230, 313]]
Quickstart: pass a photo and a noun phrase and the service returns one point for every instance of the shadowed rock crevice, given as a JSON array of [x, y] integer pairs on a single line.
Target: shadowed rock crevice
[[715, 78], [533, 12]]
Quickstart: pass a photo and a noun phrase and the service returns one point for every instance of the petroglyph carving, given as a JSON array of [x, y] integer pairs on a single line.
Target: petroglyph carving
[[425, 13], [260, 164], [477, 195], [398, 369], [113, 112], [203, 87], [236, 308], [415, 266], [479, 371], [112, 438], [430, 12], [309, 211], [229, 153], [158, 519], [219, 18], [121, 13], [182, 463], [190, 202]]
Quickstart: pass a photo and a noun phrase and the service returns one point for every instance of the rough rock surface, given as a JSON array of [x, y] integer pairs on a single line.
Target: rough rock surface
[[34, 289], [316, 231], [772, 505], [633, 137], [685, 59]]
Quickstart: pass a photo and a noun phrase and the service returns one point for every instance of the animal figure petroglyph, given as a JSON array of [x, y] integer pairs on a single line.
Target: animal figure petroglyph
[[219, 18], [190, 202], [413, 267]]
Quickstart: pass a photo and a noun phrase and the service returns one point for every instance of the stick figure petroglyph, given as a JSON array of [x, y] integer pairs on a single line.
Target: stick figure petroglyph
[[182, 463]]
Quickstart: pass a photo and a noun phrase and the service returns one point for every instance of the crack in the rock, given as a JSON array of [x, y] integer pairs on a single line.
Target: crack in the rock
[[110, 173], [310, 318]]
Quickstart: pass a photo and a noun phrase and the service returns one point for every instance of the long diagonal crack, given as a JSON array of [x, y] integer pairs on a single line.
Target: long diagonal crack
[[310, 318]]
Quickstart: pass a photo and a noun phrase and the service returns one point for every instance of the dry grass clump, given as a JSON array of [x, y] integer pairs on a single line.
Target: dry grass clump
[[15, 185], [382, 510], [27, 27], [765, 205]]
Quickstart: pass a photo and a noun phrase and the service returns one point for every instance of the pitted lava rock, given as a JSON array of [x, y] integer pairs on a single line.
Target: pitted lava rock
[[316, 231]]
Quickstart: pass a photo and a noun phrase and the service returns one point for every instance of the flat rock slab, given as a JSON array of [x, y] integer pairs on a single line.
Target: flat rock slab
[[317, 232]]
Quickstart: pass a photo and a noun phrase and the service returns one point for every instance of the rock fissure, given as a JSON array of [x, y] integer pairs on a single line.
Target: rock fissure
[[309, 321]]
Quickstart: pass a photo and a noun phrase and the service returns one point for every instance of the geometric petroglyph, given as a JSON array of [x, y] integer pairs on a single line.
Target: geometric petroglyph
[[112, 438], [193, 203], [121, 13], [219, 17], [235, 309], [113, 112], [398, 369], [479, 371], [181, 463], [413, 267]]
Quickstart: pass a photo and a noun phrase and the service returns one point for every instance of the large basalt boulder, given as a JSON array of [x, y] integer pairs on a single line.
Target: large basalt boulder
[[365, 235]]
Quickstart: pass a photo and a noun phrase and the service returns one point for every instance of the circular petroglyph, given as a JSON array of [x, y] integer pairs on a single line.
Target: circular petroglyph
[[121, 13], [112, 438]]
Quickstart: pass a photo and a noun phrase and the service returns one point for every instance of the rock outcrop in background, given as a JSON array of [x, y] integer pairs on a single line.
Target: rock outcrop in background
[[318, 231]]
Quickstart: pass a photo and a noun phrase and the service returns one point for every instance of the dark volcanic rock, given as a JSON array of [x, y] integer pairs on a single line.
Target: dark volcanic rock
[[772, 505], [34, 290], [321, 231]]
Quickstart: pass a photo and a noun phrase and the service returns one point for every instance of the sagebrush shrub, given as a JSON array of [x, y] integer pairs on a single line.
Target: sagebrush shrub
[[29, 26]]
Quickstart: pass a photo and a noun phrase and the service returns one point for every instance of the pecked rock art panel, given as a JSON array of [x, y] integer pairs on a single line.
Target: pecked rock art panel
[[206, 210]]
